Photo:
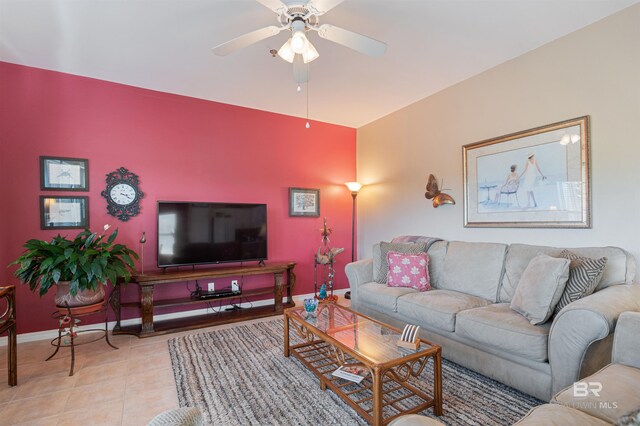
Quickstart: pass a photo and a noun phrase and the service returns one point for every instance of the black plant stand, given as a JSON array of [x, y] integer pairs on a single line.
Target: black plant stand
[[68, 320]]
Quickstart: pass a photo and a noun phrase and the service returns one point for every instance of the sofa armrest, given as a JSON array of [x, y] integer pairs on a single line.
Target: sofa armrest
[[582, 323], [626, 341], [359, 272]]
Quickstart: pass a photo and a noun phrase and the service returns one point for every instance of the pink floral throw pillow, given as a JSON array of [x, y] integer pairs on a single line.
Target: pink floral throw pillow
[[408, 270]]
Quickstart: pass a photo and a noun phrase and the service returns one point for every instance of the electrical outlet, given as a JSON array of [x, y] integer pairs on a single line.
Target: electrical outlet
[[234, 285], [211, 287]]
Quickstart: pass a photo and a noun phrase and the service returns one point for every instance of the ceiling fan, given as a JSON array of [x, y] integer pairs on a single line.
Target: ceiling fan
[[300, 17]]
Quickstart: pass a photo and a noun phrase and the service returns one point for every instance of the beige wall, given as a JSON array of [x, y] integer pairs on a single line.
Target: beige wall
[[594, 71]]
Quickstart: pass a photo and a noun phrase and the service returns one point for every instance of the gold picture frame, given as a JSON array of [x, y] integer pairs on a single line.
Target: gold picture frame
[[536, 178]]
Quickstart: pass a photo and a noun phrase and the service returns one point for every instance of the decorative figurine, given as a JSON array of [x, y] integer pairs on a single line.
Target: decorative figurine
[[324, 260], [439, 198], [327, 258], [323, 291], [325, 232], [143, 240], [310, 306]]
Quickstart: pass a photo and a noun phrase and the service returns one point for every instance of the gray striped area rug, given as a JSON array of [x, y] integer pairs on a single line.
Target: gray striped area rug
[[239, 376]]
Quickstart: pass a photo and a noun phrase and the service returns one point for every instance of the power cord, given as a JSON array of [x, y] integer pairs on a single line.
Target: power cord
[[237, 306], [195, 293], [213, 309]]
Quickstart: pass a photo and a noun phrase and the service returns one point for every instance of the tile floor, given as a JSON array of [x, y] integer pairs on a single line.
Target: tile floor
[[128, 386]]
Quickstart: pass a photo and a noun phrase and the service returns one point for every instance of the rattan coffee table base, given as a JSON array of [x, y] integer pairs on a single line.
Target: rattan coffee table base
[[385, 393]]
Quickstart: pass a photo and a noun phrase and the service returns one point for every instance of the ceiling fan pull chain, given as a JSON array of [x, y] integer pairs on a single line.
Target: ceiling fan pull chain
[[307, 125]]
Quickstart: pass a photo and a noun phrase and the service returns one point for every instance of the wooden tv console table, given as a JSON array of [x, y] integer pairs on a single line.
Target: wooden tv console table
[[148, 282]]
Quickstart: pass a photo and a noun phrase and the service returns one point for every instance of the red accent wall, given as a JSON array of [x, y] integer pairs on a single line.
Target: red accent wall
[[183, 149]]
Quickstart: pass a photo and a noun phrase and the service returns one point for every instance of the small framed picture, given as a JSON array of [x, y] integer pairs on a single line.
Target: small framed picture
[[304, 202], [69, 174], [62, 212]]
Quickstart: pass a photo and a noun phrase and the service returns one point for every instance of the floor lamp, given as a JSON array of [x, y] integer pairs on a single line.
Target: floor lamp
[[354, 187]]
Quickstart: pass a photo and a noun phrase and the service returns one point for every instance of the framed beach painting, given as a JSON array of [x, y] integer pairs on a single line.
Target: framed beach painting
[[537, 178]]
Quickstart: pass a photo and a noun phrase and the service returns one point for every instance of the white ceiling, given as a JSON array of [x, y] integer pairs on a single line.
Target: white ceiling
[[166, 45]]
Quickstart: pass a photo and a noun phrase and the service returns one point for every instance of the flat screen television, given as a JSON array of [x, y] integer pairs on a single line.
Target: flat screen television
[[194, 233]]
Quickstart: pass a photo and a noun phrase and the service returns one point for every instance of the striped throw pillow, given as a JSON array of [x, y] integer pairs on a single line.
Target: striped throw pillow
[[584, 276]]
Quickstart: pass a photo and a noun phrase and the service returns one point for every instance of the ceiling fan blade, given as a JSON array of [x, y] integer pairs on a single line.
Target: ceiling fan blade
[[320, 7], [276, 5], [246, 40], [355, 41], [300, 70]]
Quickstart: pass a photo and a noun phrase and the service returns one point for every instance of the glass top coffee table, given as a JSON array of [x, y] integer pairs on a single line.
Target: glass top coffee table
[[336, 336]]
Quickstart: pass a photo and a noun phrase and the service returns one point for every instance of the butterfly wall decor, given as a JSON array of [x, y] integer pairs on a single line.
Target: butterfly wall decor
[[439, 198]]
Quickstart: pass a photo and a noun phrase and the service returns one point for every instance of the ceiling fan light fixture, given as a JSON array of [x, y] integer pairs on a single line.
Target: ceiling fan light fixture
[[286, 52], [299, 42], [311, 54]]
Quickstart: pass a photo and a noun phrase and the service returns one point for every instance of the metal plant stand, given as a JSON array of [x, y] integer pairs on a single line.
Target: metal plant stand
[[68, 320], [323, 263], [323, 273]]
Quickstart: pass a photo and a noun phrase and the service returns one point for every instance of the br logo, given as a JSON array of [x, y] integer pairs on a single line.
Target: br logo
[[581, 389]]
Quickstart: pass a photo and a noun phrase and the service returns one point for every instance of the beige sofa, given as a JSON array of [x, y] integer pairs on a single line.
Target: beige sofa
[[467, 312], [605, 397]]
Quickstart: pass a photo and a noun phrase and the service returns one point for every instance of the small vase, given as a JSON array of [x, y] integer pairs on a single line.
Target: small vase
[[63, 297]]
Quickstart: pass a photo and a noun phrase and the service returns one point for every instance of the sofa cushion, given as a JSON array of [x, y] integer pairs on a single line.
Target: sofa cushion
[[415, 420], [584, 276], [377, 261], [620, 268], [558, 415], [437, 308], [540, 288], [631, 418], [381, 297], [619, 395], [626, 342], [499, 327], [416, 239], [408, 270], [473, 268], [380, 251], [437, 253]]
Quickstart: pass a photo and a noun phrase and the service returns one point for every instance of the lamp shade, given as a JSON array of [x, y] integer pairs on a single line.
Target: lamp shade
[[299, 42], [286, 52], [354, 186], [310, 54]]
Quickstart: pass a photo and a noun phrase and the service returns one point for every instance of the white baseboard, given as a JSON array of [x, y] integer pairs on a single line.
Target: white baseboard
[[53, 333]]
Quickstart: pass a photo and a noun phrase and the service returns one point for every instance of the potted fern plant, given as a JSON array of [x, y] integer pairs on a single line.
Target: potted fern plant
[[79, 268]]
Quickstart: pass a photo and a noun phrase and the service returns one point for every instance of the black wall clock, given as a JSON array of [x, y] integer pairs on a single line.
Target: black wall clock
[[123, 194]]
